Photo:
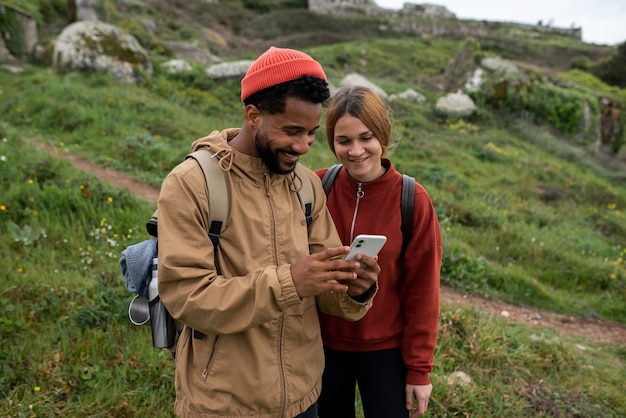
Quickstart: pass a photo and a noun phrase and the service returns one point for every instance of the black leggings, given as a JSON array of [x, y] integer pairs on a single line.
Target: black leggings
[[309, 413], [380, 376]]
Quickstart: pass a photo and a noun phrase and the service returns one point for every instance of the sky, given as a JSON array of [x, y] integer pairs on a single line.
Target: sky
[[602, 22]]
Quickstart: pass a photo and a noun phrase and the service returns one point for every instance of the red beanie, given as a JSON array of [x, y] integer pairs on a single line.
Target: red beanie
[[278, 65]]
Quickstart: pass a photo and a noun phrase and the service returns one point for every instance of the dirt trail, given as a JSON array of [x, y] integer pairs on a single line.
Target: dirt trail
[[564, 324]]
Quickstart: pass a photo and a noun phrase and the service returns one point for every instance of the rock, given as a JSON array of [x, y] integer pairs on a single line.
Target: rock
[[176, 66], [475, 81], [192, 51], [462, 66], [85, 10], [98, 46], [459, 378], [456, 105], [234, 69], [499, 66], [410, 95], [5, 55], [355, 79], [13, 69]]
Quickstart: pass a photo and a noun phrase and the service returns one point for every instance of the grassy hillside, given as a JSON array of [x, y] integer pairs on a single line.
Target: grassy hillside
[[529, 216]]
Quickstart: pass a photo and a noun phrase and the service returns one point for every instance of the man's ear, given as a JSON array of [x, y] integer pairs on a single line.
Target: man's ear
[[253, 116]]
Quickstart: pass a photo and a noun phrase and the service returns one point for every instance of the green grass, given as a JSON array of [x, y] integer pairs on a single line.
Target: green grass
[[69, 350]]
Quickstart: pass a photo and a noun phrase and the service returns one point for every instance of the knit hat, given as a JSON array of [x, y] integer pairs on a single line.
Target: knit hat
[[278, 65]]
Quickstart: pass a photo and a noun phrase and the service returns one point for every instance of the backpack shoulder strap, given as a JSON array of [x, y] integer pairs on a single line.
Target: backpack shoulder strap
[[406, 199], [406, 207], [151, 225], [329, 178], [305, 194], [218, 192]]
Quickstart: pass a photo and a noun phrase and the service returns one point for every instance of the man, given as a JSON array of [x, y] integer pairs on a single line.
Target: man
[[251, 344]]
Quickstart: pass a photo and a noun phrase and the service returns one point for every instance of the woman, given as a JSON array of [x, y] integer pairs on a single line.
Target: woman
[[388, 353]]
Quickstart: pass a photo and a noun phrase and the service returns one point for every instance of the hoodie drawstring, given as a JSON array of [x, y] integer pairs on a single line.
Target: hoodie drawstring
[[225, 159], [293, 179]]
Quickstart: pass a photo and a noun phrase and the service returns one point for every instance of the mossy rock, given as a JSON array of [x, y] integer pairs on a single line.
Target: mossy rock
[[97, 46]]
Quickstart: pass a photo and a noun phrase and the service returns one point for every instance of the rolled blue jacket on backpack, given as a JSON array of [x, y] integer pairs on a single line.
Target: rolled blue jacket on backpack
[[136, 265]]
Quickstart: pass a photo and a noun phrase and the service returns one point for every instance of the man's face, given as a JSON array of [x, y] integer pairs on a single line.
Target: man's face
[[282, 138]]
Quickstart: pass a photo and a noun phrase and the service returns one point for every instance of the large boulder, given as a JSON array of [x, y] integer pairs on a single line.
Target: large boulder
[[98, 46]]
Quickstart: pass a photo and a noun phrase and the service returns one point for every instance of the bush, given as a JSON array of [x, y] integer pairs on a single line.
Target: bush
[[611, 70], [545, 103], [581, 63]]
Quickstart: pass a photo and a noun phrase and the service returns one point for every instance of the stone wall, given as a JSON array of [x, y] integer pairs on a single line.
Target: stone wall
[[332, 6], [19, 31], [401, 19]]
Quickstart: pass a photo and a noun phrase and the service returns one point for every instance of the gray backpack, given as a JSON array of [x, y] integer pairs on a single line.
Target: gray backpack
[[139, 262]]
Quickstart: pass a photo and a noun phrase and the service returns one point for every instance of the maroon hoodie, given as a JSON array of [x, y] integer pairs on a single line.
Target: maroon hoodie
[[405, 312]]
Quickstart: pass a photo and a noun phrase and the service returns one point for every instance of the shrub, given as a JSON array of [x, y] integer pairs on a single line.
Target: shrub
[[611, 70]]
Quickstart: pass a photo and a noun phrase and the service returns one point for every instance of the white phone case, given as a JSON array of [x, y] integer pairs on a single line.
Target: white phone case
[[369, 245]]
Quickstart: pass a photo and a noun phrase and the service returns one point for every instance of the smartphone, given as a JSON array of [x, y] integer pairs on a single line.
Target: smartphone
[[369, 245]]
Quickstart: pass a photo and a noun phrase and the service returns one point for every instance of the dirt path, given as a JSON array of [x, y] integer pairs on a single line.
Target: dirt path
[[563, 324]]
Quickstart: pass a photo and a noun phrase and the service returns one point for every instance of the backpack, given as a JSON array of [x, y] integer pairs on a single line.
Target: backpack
[[406, 199], [139, 262]]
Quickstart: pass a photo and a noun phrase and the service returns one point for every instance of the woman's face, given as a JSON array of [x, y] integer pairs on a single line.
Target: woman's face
[[358, 149]]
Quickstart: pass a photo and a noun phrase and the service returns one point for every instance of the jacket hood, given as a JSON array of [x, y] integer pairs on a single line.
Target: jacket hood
[[217, 144], [216, 141]]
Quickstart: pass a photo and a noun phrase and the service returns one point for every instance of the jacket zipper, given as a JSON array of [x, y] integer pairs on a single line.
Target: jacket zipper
[[268, 193], [359, 195]]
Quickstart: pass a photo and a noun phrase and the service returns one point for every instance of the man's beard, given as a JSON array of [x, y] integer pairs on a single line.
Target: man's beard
[[269, 156]]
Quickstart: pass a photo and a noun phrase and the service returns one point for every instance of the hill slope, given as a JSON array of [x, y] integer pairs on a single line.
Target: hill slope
[[595, 329], [532, 218]]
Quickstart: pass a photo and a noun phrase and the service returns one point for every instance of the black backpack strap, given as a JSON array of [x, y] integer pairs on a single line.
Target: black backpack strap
[[329, 178], [406, 199], [406, 207]]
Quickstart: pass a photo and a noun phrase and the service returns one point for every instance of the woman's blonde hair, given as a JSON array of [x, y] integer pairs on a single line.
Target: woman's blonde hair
[[364, 104]]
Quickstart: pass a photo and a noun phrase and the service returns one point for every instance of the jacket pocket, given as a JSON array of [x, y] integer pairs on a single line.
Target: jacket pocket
[[204, 353], [302, 308]]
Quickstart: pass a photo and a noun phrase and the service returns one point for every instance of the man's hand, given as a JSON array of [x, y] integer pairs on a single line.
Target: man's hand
[[319, 273], [367, 275], [421, 393]]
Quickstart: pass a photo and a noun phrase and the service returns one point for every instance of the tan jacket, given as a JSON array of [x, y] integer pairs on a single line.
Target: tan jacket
[[261, 352]]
